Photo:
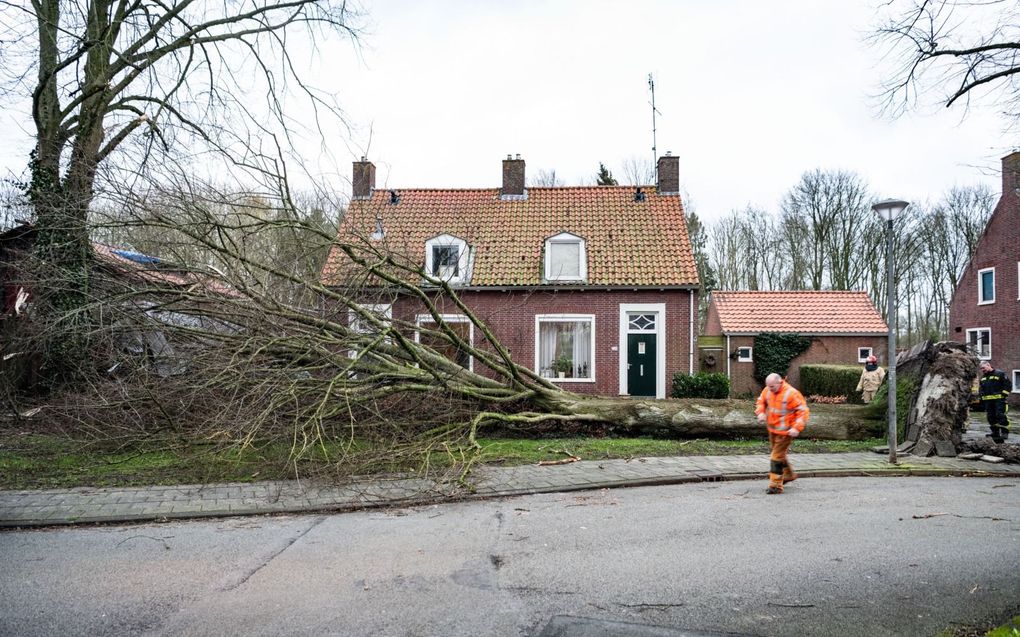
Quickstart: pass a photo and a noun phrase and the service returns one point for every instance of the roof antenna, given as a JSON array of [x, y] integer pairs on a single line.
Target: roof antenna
[[655, 155]]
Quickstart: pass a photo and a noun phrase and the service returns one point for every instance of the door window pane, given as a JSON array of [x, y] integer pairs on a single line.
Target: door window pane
[[641, 323]]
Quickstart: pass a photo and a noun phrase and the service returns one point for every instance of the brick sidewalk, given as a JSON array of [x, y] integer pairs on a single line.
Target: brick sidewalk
[[106, 505]]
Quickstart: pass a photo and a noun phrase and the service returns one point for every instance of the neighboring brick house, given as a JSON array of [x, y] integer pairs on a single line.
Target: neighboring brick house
[[845, 328], [600, 277], [985, 309]]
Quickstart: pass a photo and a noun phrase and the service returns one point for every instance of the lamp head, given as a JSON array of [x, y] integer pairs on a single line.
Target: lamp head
[[889, 209]]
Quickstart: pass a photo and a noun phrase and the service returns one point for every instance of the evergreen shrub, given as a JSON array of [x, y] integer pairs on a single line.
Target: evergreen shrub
[[831, 380], [700, 385]]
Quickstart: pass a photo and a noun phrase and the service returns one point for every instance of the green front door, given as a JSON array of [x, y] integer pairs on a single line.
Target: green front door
[[641, 372]]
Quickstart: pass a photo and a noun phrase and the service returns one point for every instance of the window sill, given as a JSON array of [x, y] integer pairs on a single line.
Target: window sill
[[992, 302], [571, 380]]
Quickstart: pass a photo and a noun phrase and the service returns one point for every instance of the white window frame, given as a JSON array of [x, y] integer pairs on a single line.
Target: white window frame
[[979, 330], [421, 319], [981, 290], [750, 354], [660, 344], [564, 238], [462, 257], [864, 359], [354, 321], [1015, 379], [564, 318]]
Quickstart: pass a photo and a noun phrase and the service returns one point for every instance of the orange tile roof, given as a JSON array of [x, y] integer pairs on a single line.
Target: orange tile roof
[[804, 312], [628, 243]]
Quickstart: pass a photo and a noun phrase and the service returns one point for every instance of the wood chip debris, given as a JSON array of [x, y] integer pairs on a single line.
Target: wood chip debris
[[570, 458]]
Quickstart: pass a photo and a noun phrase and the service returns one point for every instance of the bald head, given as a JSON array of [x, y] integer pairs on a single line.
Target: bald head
[[774, 382]]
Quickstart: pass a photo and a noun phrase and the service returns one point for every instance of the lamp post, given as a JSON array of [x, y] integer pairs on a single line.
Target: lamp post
[[888, 210]]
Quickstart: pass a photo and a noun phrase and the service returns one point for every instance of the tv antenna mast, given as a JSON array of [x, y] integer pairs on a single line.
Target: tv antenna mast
[[655, 155]]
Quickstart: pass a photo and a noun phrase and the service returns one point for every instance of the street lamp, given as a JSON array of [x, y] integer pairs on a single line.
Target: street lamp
[[888, 210]]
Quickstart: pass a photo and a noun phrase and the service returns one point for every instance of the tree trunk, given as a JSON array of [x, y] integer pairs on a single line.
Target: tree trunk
[[701, 418]]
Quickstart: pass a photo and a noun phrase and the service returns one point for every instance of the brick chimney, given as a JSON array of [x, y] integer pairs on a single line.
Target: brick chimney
[[1011, 173], [513, 177], [364, 179], [668, 171]]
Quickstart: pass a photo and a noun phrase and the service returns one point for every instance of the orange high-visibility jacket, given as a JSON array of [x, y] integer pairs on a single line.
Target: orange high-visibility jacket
[[784, 410]]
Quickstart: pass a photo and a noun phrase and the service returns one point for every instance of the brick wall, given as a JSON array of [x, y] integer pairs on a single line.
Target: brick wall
[[824, 350], [998, 248], [511, 317]]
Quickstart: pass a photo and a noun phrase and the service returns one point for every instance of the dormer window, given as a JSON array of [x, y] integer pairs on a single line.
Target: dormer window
[[566, 258], [446, 258]]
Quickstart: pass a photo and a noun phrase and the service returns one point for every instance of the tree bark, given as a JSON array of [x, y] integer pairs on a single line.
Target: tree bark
[[703, 418]]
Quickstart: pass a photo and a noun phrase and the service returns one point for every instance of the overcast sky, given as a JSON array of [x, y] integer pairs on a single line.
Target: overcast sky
[[751, 94]]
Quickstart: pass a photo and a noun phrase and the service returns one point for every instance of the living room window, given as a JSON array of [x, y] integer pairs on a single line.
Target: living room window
[[566, 258], [364, 325], [432, 334], [863, 353], [986, 286], [565, 346], [446, 258], [979, 340]]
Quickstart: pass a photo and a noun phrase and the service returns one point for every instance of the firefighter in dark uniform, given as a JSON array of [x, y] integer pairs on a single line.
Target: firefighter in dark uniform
[[995, 388]]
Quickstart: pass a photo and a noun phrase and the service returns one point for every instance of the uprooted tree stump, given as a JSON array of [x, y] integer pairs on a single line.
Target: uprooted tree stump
[[941, 376]]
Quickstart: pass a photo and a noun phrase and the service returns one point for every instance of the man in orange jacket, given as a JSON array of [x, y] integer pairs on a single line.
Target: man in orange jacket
[[784, 412]]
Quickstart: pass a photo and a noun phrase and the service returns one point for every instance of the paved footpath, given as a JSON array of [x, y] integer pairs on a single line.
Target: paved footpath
[[108, 505]]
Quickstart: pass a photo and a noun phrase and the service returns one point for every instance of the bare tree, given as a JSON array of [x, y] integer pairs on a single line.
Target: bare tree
[[639, 172], [955, 49], [116, 87], [546, 178]]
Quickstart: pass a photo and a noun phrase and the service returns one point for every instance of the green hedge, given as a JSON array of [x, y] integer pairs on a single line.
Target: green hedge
[[701, 385], [831, 380]]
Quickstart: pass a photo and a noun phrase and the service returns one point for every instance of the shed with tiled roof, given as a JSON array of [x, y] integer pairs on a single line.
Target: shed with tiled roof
[[844, 326]]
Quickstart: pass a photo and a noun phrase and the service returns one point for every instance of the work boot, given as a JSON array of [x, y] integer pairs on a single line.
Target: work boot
[[789, 476], [773, 490]]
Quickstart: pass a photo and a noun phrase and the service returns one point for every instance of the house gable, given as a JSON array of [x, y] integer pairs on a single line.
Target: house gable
[[991, 323]]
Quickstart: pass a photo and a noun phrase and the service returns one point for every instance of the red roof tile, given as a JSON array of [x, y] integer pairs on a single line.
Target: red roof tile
[[629, 243], [804, 312]]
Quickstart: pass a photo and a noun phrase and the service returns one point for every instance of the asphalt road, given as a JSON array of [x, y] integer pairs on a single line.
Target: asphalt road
[[834, 556]]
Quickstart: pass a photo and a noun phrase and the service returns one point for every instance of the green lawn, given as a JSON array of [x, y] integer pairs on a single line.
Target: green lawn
[[46, 461]]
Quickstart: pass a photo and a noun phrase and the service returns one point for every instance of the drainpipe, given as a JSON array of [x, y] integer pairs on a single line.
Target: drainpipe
[[727, 354], [690, 299]]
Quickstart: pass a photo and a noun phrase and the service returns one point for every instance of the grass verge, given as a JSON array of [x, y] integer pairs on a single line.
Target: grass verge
[[37, 461]]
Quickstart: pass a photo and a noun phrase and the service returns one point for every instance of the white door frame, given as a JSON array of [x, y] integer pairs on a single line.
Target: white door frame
[[659, 309]]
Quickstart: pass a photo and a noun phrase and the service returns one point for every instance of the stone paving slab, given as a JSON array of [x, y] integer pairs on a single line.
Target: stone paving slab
[[99, 505]]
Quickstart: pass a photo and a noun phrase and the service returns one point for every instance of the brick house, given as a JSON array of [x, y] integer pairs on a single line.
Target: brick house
[[844, 327], [985, 309], [596, 284]]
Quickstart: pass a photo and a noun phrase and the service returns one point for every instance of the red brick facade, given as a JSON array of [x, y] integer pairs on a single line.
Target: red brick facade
[[511, 317], [824, 350], [998, 248]]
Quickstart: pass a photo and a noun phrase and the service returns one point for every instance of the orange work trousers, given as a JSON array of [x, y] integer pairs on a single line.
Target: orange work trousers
[[780, 470]]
